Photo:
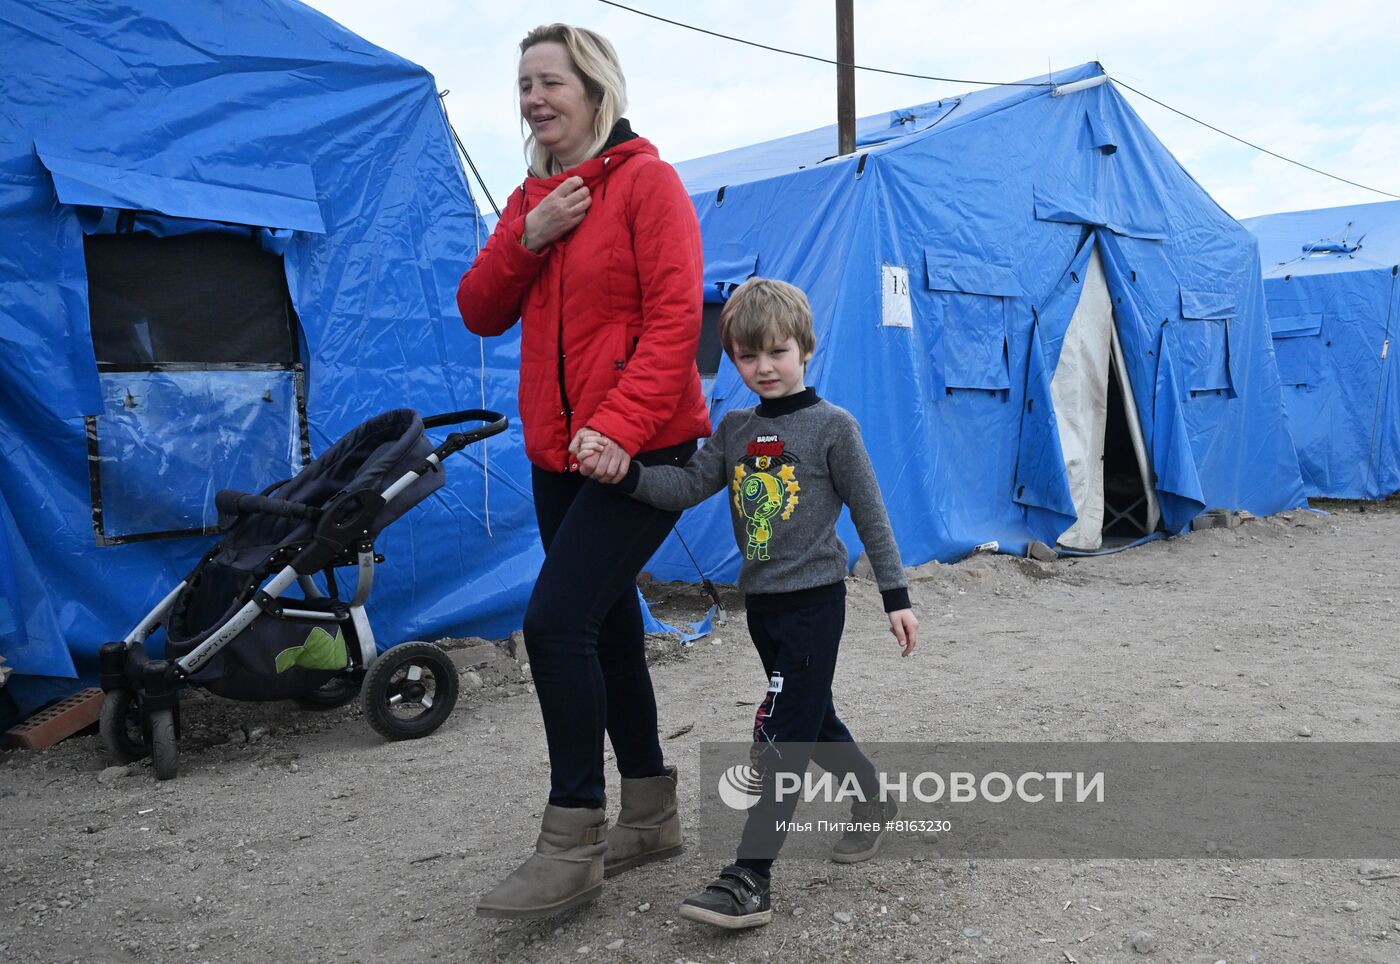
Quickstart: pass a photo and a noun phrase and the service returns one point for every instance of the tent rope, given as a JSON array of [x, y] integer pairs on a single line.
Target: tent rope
[[710, 589], [480, 341], [442, 99], [1306, 167]]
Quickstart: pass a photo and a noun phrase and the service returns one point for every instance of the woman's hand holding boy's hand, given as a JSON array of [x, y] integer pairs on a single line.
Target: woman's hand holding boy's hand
[[587, 443], [559, 213], [599, 457], [905, 628]]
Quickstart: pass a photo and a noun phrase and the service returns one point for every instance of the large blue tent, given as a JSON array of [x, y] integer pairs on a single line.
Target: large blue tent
[[991, 275], [1330, 280], [173, 174]]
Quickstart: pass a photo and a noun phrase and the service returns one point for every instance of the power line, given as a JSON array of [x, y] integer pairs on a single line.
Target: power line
[[1306, 167], [821, 60], [990, 83]]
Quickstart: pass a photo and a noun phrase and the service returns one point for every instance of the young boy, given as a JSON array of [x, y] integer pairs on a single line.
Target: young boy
[[790, 464]]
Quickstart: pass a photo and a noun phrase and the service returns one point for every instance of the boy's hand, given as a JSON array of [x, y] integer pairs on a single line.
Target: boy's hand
[[905, 629]]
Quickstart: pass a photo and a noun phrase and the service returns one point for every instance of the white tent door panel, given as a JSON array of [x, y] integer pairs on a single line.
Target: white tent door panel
[[1079, 391]]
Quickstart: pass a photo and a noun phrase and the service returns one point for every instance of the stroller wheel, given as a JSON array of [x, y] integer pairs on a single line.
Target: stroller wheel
[[120, 727], [409, 691], [165, 752], [329, 695]]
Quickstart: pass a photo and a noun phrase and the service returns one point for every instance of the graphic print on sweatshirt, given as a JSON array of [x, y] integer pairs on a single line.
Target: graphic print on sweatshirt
[[764, 487]]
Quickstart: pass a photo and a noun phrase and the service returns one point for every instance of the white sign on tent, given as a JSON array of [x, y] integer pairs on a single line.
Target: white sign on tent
[[894, 302]]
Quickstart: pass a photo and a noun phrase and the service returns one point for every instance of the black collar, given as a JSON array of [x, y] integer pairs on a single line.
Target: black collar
[[775, 407], [621, 133]]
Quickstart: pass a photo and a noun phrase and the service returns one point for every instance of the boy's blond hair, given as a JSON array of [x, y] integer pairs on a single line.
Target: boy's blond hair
[[763, 312]]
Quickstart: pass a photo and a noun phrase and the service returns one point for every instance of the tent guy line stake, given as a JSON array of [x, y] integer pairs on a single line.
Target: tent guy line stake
[[710, 589]]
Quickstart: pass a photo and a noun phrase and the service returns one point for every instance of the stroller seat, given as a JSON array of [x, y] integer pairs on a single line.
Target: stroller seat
[[231, 628], [258, 541]]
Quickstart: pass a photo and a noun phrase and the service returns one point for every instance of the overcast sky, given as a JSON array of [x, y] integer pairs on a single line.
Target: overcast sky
[[1316, 82]]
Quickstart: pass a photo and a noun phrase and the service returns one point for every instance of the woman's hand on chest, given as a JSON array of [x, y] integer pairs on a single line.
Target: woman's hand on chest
[[558, 213]]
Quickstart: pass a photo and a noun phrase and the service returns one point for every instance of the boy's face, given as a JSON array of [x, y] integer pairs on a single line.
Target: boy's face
[[775, 371]]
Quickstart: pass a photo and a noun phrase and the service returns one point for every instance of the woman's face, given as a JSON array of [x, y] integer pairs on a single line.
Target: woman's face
[[554, 103]]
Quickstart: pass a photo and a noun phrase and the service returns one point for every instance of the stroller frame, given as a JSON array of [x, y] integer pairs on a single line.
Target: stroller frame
[[341, 538]]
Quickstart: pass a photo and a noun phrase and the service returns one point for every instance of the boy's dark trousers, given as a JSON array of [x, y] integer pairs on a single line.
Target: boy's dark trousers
[[798, 647], [583, 630]]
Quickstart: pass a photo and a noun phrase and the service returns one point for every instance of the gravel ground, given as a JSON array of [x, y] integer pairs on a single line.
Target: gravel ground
[[298, 836]]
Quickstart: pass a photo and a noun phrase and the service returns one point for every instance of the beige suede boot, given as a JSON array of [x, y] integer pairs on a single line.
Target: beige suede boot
[[648, 827], [565, 870]]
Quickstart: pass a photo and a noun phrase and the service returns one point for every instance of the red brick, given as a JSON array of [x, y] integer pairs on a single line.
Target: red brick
[[57, 722]]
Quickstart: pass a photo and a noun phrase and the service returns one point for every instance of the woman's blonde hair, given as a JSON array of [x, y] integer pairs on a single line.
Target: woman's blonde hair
[[595, 62], [763, 312]]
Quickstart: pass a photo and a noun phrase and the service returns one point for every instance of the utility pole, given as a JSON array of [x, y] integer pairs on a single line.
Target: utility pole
[[845, 78]]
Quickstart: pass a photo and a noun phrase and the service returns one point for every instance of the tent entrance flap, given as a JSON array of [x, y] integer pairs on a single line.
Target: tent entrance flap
[[1106, 461]]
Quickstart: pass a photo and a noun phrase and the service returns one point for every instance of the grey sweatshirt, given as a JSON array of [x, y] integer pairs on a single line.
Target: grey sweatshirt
[[789, 465]]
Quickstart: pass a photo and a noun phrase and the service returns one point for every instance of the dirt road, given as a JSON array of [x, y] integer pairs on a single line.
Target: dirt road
[[301, 837]]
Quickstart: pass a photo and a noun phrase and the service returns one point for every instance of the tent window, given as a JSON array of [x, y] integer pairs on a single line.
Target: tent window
[[974, 340], [723, 273], [969, 293], [197, 353], [1298, 346], [1205, 355], [1299, 357], [710, 351], [202, 299]]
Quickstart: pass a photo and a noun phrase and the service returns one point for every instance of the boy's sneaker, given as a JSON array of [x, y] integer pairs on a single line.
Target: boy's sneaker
[[736, 899], [860, 844]]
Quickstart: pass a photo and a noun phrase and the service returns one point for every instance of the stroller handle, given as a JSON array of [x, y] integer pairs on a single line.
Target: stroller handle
[[232, 503], [497, 423]]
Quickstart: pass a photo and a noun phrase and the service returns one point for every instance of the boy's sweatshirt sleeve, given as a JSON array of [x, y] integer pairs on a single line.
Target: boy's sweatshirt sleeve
[[854, 479], [681, 486]]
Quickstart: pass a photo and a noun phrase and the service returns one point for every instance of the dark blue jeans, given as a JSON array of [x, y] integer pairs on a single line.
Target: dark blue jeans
[[583, 632], [798, 648]]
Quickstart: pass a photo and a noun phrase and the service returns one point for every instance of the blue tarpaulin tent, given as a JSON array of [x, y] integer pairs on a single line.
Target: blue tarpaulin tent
[[1330, 280], [232, 233], [990, 274]]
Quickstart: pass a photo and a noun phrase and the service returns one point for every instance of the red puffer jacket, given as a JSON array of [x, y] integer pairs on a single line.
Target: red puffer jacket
[[611, 311]]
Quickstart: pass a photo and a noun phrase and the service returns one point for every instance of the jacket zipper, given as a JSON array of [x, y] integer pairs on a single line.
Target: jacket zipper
[[568, 412]]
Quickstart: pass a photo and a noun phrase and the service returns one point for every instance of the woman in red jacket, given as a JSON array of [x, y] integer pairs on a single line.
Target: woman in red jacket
[[598, 254]]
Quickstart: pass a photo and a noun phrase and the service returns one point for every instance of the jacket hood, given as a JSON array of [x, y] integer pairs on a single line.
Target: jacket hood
[[594, 170]]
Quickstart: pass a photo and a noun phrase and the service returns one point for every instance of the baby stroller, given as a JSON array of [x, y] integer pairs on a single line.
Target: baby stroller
[[230, 629]]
